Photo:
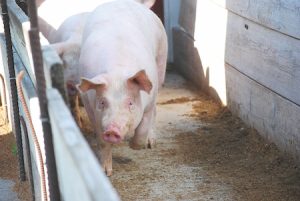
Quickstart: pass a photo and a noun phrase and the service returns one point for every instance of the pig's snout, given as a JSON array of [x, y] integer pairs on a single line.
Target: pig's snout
[[112, 135]]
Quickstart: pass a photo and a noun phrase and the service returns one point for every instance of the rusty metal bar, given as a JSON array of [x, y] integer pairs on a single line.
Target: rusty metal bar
[[14, 96], [54, 194]]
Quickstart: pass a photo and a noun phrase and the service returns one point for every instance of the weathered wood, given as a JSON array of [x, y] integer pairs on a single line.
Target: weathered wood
[[33, 106], [275, 117], [54, 71], [80, 174], [32, 103], [281, 15], [19, 25], [267, 56], [53, 66]]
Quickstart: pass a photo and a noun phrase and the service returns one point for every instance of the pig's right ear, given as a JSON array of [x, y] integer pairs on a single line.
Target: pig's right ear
[[88, 84]]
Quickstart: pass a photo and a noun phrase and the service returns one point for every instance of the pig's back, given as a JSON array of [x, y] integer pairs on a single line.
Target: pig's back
[[123, 33]]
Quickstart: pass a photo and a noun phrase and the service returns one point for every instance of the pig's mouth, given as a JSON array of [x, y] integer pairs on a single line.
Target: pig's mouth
[[112, 136]]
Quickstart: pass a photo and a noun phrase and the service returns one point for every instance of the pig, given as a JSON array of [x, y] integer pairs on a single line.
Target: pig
[[117, 53]]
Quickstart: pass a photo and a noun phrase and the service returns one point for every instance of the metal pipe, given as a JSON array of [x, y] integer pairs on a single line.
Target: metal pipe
[[14, 96], [54, 194]]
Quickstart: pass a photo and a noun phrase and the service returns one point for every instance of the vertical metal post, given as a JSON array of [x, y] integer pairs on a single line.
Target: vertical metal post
[[14, 96], [54, 194]]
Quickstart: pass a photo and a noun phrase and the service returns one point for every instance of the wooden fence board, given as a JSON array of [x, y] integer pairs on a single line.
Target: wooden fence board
[[267, 56], [19, 25], [280, 15], [276, 118], [32, 103]]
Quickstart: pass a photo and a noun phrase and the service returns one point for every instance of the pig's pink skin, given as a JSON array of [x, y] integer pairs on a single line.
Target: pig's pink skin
[[120, 55], [122, 40]]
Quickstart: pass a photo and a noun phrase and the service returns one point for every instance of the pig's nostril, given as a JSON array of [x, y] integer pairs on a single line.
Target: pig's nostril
[[112, 137]]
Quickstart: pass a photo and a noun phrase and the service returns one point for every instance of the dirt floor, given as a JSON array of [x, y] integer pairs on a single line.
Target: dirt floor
[[8, 161], [202, 153]]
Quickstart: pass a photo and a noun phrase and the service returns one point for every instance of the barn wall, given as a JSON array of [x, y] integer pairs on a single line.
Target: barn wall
[[171, 13], [247, 55]]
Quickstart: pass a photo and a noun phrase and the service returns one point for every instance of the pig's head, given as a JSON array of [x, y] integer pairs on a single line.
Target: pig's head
[[116, 104]]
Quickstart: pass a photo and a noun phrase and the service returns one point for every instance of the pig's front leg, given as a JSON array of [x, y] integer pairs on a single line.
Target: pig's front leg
[[144, 136], [105, 155]]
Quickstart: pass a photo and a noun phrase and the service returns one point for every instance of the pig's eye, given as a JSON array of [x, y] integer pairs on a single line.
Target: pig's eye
[[101, 104], [131, 105]]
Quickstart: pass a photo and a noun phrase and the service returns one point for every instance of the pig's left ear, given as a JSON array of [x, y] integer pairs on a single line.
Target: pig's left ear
[[141, 80], [88, 84]]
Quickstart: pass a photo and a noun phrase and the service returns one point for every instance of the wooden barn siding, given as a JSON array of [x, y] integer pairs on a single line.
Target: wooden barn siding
[[29, 94], [267, 56], [276, 118], [259, 43], [281, 15]]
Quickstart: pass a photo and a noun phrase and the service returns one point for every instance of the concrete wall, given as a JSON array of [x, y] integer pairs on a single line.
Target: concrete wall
[[247, 55]]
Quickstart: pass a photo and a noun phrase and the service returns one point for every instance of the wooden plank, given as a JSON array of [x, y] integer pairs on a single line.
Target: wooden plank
[[33, 106], [52, 64], [267, 56], [19, 25], [54, 71], [31, 101], [275, 117], [281, 15], [80, 174]]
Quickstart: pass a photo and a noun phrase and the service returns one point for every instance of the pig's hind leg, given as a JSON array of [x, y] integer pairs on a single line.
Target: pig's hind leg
[[144, 136]]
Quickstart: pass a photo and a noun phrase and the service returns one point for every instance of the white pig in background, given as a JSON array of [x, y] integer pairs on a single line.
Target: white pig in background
[[115, 51]]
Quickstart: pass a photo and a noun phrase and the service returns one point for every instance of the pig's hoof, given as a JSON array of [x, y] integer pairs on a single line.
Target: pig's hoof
[[108, 172], [151, 143]]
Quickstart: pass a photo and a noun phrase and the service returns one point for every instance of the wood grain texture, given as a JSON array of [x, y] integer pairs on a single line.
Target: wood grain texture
[[276, 118], [32, 103], [19, 25], [54, 71], [80, 174], [280, 15], [267, 56]]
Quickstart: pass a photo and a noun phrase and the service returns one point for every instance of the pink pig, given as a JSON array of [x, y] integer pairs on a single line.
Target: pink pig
[[121, 63]]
